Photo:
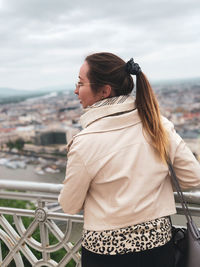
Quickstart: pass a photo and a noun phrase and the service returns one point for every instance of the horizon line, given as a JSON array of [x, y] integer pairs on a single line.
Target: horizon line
[[67, 87]]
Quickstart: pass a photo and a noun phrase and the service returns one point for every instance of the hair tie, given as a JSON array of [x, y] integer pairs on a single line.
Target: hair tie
[[132, 67]]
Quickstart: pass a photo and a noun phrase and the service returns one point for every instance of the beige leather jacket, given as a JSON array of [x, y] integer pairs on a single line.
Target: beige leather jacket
[[114, 174]]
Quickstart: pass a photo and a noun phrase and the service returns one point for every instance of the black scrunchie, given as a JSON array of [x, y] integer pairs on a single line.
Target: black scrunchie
[[132, 67]]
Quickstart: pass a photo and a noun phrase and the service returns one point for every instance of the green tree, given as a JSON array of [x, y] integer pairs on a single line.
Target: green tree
[[10, 145], [19, 144]]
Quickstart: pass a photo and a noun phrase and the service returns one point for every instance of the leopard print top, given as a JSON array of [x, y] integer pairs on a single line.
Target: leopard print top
[[134, 238]]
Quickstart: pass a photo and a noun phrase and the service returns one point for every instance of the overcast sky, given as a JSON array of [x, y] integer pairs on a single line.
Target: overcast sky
[[44, 42]]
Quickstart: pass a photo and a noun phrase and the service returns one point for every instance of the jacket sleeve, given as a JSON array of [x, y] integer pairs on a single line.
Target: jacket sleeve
[[185, 164], [76, 184]]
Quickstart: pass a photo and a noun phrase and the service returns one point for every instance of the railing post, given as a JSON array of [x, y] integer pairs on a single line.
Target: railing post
[[1, 258], [41, 214]]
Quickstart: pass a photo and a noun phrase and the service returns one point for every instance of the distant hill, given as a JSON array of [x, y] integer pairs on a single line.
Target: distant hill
[[195, 80], [10, 95], [11, 92], [6, 92]]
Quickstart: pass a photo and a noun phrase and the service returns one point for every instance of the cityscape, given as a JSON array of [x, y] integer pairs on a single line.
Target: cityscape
[[36, 130], [33, 137]]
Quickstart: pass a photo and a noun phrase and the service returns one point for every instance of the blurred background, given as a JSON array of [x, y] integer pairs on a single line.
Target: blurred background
[[43, 44]]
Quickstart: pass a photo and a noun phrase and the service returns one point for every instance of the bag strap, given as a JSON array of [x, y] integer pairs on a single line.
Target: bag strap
[[179, 191]]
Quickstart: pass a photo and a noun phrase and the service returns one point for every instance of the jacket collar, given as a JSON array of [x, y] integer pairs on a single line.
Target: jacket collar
[[95, 113]]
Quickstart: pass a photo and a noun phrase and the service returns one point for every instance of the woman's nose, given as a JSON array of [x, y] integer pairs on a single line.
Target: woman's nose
[[76, 91]]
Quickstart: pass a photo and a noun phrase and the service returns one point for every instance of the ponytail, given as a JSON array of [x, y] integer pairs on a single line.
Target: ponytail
[[107, 68], [149, 113]]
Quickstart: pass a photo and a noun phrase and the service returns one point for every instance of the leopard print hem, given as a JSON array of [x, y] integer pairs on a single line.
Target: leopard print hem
[[134, 238]]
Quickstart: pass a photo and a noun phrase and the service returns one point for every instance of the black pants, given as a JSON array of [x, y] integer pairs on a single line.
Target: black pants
[[157, 257]]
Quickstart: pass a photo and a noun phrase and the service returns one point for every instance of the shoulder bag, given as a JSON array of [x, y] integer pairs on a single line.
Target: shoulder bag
[[186, 240]]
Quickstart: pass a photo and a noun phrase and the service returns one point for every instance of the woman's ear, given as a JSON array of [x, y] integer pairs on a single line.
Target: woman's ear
[[106, 91]]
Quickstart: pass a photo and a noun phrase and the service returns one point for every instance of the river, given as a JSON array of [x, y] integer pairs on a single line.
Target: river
[[30, 175]]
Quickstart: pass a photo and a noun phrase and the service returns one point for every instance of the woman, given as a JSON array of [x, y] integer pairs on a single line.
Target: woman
[[117, 171]]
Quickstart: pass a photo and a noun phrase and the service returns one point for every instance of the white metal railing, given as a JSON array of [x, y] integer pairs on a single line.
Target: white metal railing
[[57, 232], [47, 218]]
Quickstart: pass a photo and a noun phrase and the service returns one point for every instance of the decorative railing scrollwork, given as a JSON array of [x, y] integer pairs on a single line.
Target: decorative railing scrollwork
[[49, 230]]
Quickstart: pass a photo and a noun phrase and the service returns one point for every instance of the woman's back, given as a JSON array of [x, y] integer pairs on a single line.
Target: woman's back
[[117, 167], [125, 181]]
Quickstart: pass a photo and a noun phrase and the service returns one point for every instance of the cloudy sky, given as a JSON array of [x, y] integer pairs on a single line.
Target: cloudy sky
[[44, 42]]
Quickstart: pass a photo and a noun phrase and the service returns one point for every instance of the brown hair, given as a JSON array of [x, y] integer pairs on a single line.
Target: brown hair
[[107, 68]]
